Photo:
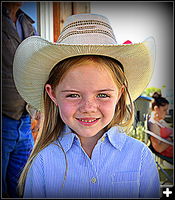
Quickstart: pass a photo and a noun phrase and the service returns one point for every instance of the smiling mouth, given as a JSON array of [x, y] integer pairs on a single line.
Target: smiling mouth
[[88, 121]]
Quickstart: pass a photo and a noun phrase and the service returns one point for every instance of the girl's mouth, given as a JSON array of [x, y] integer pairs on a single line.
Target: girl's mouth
[[88, 121]]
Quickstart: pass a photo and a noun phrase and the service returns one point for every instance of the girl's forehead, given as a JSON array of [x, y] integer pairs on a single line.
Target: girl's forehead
[[90, 66], [91, 74], [88, 71]]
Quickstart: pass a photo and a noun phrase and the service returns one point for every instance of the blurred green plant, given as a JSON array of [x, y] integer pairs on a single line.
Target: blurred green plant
[[138, 132], [149, 91]]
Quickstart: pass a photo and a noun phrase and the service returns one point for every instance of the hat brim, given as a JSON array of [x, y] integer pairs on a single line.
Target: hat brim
[[35, 58]]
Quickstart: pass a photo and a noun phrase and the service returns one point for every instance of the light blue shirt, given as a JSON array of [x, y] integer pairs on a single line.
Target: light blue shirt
[[120, 167], [19, 27]]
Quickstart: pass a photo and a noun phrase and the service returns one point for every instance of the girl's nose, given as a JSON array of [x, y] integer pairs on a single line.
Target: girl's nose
[[88, 106]]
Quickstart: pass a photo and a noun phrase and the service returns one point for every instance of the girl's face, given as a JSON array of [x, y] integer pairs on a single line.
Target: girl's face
[[86, 98]]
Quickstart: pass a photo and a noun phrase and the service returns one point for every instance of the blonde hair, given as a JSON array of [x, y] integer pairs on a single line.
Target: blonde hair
[[53, 124]]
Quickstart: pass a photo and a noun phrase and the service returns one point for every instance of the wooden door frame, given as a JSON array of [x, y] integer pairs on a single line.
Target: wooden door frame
[[61, 10]]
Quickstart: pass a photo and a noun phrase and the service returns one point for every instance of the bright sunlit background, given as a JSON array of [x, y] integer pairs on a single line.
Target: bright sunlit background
[[137, 21]]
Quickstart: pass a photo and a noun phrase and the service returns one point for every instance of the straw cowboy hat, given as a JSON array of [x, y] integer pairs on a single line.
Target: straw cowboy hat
[[83, 34]]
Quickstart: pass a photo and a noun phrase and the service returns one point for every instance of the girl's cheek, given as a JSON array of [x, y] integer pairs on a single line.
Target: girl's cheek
[[107, 108], [67, 108], [107, 104]]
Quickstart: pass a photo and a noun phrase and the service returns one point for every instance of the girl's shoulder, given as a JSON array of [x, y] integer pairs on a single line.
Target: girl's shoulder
[[122, 138], [135, 142], [133, 146], [47, 159], [51, 151]]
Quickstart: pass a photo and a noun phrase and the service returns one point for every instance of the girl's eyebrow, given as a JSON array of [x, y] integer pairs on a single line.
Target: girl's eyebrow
[[69, 91], [106, 90], [103, 90]]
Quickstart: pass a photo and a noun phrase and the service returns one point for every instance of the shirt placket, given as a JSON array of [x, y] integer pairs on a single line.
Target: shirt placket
[[94, 170]]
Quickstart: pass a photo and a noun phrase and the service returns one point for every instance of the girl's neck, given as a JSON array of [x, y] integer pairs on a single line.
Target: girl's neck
[[88, 143], [88, 148]]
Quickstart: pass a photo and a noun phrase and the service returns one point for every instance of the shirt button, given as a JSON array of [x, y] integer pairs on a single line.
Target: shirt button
[[93, 180]]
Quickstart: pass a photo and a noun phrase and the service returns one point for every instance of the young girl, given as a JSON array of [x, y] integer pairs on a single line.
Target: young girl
[[85, 84]]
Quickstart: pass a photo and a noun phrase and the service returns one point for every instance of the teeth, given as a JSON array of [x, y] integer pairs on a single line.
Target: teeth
[[87, 120]]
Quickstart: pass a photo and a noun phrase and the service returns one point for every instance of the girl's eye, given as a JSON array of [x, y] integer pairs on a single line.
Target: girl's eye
[[73, 96], [103, 95]]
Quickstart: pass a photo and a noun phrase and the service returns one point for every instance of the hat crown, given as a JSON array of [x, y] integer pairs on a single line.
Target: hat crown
[[84, 29]]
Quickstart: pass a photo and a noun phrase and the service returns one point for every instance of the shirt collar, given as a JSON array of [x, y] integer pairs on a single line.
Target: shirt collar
[[67, 138], [114, 136]]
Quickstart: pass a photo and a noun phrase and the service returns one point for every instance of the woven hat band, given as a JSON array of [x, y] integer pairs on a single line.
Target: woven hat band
[[87, 31], [86, 23]]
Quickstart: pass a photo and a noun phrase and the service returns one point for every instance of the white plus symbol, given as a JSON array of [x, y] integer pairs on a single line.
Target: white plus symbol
[[167, 192]]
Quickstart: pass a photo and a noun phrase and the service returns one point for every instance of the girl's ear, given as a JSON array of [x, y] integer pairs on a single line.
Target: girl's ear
[[121, 91], [51, 93]]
